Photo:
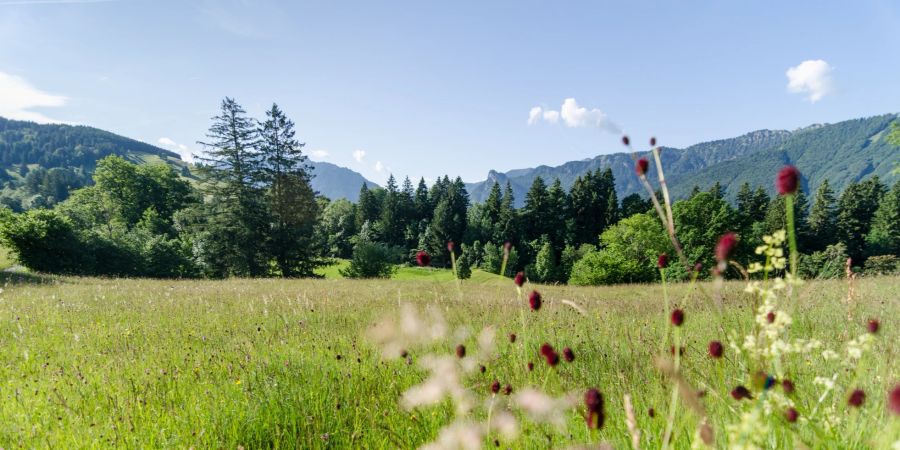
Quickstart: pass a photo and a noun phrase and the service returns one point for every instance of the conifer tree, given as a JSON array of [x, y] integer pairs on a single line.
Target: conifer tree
[[822, 218]]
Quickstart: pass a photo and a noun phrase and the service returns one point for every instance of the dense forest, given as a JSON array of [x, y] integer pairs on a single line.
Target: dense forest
[[253, 212]]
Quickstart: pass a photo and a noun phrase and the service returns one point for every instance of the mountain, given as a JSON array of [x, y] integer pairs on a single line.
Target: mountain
[[41, 163], [336, 182], [842, 152]]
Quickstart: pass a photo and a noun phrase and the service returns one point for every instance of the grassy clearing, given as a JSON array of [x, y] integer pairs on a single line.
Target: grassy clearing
[[413, 273], [283, 364]]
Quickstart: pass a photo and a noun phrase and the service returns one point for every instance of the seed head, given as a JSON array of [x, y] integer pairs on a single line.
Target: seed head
[[857, 398], [787, 180], [534, 300], [873, 326], [460, 351], [725, 247], [495, 387], [716, 349], [593, 402], [740, 393], [519, 279], [641, 166], [893, 401], [787, 386], [662, 261], [507, 389], [651, 412], [423, 258], [546, 349], [791, 415], [677, 317], [568, 354]]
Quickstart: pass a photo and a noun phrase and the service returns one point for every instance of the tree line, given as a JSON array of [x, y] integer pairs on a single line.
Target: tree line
[[252, 212]]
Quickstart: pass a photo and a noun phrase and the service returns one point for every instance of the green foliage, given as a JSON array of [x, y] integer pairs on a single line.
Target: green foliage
[[882, 265], [370, 260], [856, 208], [335, 228], [822, 219], [699, 222], [545, 268], [628, 253], [884, 234], [44, 241], [826, 264]]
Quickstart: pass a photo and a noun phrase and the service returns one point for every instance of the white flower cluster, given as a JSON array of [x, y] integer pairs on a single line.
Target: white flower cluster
[[750, 433], [775, 258]]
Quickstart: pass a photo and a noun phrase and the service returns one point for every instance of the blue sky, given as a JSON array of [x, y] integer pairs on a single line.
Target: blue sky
[[425, 88]]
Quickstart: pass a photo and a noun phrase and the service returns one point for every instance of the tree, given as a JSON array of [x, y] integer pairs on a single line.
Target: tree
[[370, 260], [884, 235], [545, 266], [233, 224], [856, 207], [535, 214], [336, 227], [367, 208], [699, 222], [391, 224], [776, 219], [822, 219], [633, 204], [292, 208]]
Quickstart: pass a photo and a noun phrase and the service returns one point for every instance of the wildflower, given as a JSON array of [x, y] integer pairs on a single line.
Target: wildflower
[[450, 246], [716, 349], [662, 261], [857, 398], [653, 141], [726, 246], [787, 180], [787, 386], [697, 267], [791, 415], [677, 317], [423, 258], [873, 326], [534, 300], [651, 412], [530, 366], [507, 389], [680, 350], [519, 279], [507, 246], [894, 400], [568, 355], [770, 317], [641, 166], [460, 351], [549, 354], [542, 408], [740, 393], [593, 401], [481, 368], [625, 140], [512, 338], [495, 387]]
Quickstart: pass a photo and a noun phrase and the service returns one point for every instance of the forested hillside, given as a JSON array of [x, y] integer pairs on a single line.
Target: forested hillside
[[842, 152]]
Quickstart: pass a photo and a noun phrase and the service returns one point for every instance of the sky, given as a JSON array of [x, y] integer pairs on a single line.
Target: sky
[[456, 87]]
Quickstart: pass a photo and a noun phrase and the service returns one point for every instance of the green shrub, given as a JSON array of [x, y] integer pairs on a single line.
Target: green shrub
[[826, 264], [882, 265], [44, 241], [370, 260]]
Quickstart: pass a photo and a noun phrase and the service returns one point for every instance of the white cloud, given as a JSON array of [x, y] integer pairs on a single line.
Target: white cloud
[[181, 149], [18, 97], [534, 115], [379, 166], [359, 155], [319, 154], [573, 116], [811, 78]]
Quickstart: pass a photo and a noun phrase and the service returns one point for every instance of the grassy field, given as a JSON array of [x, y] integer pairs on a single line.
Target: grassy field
[[97, 363]]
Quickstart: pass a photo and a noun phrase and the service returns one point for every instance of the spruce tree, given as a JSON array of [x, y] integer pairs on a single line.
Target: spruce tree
[[856, 206], [884, 235], [822, 218], [292, 207]]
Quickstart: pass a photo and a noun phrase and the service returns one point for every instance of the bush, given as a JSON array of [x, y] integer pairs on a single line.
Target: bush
[[44, 241], [882, 265], [464, 264], [603, 267], [370, 260], [827, 264]]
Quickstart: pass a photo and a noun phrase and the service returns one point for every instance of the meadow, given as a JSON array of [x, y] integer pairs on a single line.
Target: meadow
[[268, 363]]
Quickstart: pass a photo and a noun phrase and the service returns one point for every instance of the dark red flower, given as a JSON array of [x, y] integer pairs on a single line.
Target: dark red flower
[[530, 366], [662, 261], [651, 412], [546, 349], [625, 140], [787, 386], [423, 258], [507, 389], [481, 368], [791, 415], [519, 279], [893, 402], [653, 142], [716, 349], [507, 246], [450, 246], [726, 246], [677, 317], [495, 387], [512, 337], [698, 266], [680, 350], [460, 351], [787, 180], [549, 354], [568, 354], [641, 166], [857, 398], [740, 393], [873, 326], [593, 402], [770, 317], [534, 300]]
